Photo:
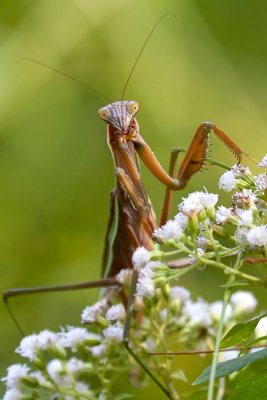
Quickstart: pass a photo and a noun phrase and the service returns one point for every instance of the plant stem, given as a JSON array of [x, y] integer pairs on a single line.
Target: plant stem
[[227, 294]]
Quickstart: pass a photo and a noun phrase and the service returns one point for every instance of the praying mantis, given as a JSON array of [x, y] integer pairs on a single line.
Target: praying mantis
[[132, 221]]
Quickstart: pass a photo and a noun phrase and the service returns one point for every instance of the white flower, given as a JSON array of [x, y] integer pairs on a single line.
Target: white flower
[[12, 394], [223, 214], [181, 220], [241, 235], [81, 387], [179, 293], [39, 377], [191, 204], [244, 198], [29, 347], [257, 237], [140, 257], [245, 217], [197, 313], [261, 328], [261, 181], [192, 257], [114, 333], [150, 344], [145, 285], [48, 338], [171, 230], [243, 302], [227, 181], [124, 277], [240, 171], [215, 309], [15, 373], [75, 365], [229, 355], [202, 242], [56, 371], [263, 162], [76, 337], [92, 313], [116, 312], [99, 351], [208, 199]]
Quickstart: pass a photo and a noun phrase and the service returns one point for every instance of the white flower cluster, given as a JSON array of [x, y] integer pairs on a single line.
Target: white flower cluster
[[67, 364]]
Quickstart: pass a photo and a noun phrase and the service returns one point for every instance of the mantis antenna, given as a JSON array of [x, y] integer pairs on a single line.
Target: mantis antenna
[[99, 94], [141, 51]]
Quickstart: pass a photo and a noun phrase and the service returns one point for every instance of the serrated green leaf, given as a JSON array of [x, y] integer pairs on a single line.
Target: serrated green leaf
[[124, 396], [240, 333], [179, 375], [228, 367]]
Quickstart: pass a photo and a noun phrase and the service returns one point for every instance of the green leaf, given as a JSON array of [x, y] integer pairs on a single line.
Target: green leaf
[[251, 383], [228, 367], [240, 333], [252, 343], [179, 375]]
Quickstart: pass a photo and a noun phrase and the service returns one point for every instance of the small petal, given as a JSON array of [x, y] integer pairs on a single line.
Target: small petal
[[223, 214], [257, 237], [243, 302], [124, 277], [215, 309], [92, 313], [245, 217], [76, 337], [140, 257], [197, 313], [99, 351], [116, 312], [263, 162], [244, 199], [261, 328], [227, 181], [191, 204], [179, 293], [240, 171], [75, 365], [114, 333], [12, 394], [241, 236], [261, 181], [56, 371], [29, 347], [15, 373], [171, 230]]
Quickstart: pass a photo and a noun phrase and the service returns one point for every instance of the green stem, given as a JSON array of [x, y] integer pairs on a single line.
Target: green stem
[[227, 294], [229, 270]]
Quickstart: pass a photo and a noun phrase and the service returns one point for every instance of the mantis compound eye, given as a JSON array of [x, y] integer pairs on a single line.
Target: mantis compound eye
[[132, 107], [104, 113]]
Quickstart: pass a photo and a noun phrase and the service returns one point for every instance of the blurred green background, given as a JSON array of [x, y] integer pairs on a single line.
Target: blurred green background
[[56, 172]]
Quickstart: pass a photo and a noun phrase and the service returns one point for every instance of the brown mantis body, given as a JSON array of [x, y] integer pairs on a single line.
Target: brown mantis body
[[136, 220]]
